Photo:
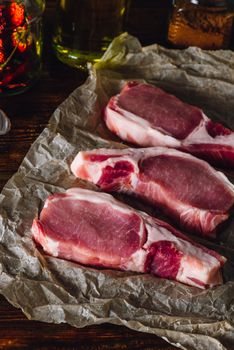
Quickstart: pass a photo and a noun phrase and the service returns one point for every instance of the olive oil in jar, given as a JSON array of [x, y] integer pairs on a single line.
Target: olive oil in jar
[[203, 23], [85, 28]]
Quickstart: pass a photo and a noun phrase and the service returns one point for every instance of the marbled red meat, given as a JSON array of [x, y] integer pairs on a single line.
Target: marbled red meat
[[185, 188], [148, 116], [93, 228]]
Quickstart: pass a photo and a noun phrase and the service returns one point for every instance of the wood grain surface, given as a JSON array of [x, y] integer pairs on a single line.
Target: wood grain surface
[[29, 114]]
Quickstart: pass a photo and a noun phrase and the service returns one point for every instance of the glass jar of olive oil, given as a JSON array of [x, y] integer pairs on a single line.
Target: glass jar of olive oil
[[84, 29]]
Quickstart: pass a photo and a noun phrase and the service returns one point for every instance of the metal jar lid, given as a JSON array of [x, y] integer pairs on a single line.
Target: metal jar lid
[[210, 3], [5, 123]]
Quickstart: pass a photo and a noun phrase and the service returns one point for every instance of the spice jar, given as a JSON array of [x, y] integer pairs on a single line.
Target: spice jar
[[203, 23], [20, 44]]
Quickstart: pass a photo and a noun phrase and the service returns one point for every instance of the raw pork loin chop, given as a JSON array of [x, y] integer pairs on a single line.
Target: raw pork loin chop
[[147, 116], [95, 229], [185, 188]]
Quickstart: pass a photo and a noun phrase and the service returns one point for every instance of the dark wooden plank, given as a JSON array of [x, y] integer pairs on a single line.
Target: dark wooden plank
[[16, 332]]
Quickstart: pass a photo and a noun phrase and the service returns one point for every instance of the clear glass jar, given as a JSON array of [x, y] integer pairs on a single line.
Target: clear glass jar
[[20, 44], [84, 29], [203, 23]]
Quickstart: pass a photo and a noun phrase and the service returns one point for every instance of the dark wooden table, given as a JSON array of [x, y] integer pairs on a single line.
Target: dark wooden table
[[29, 114]]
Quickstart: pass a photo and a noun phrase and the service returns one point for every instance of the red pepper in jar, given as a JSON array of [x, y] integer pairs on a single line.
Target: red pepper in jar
[[16, 12]]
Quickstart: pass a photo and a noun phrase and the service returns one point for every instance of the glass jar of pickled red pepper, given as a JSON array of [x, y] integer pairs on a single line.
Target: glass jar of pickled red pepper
[[203, 23], [20, 44]]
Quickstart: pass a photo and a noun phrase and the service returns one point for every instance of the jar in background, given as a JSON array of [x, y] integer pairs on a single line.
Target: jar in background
[[203, 23], [20, 44], [85, 28]]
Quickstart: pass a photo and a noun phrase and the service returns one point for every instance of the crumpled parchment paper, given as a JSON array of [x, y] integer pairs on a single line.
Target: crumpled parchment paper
[[54, 290]]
